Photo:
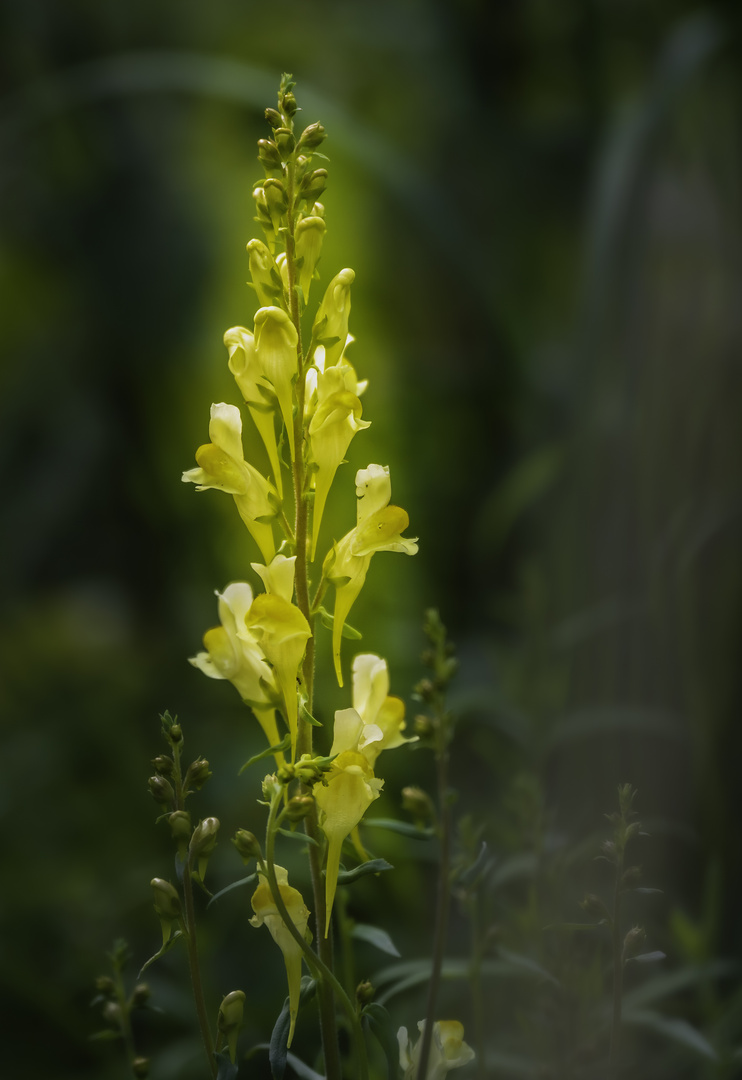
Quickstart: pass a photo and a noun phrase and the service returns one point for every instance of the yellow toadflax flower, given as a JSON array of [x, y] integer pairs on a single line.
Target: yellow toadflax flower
[[266, 912], [378, 528], [222, 465], [342, 799], [260, 399], [276, 340], [447, 1050]]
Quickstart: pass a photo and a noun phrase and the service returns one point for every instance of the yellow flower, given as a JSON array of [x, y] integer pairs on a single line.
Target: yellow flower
[[222, 465], [260, 399], [447, 1050], [378, 528], [233, 654], [336, 420], [281, 631], [376, 721], [266, 912], [276, 340], [342, 800], [331, 321], [310, 232]]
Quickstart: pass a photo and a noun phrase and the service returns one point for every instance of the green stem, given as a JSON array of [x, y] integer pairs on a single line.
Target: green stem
[[442, 899], [617, 963]]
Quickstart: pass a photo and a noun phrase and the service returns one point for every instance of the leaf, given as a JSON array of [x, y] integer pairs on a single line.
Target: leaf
[[303, 837], [106, 1035], [165, 948], [235, 885], [327, 621], [473, 873], [373, 866], [526, 965], [277, 1049], [647, 957], [675, 1029], [569, 927], [380, 1024], [522, 865], [374, 935], [306, 715], [301, 1069], [227, 1070], [285, 744], [403, 827], [674, 982]]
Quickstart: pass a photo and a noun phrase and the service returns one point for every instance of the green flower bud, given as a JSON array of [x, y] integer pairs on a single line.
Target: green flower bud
[[180, 826], [274, 118], [631, 877], [423, 726], [112, 1013], [418, 803], [633, 942], [277, 203], [592, 905], [140, 995], [312, 137], [271, 786], [247, 844], [288, 104], [203, 843], [175, 735], [264, 272], [197, 775], [161, 790], [268, 154], [365, 992], [163, 765], [140, 1066], [299, 807], [425, 690], [285, 142], [167, 901], [231, 1012], [318, 210], [104, 984], [313, 184]]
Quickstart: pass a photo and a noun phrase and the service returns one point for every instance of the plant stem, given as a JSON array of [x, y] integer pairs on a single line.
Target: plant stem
[[617, 961], [195, 969], [442, 899]]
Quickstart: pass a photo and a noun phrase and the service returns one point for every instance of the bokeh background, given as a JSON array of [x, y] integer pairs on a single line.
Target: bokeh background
[[541, 201]]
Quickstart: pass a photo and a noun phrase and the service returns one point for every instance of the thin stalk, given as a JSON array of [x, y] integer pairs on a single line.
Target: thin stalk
[[475, 976], [195, 969], [617, 963], [442, 903]]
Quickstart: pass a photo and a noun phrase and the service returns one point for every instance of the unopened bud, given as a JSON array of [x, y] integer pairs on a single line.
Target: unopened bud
[[299, 807], [288, 104], [271, 786], [273, 117], [365, 992], [140, 995], [592, 905], [285, 142], [163, 765], [632, 875], [313, 184], [312, 137], [633, 942], [104, 984], [633, 830], [247, 844], [203, 843], [175, 734], [277, 203], [418, 803], [197, 775], [180, 826], [140, 1066], [425, 689], [229, 1022], [268, 154], [423, 726], [112, 1013], [167, 901], [161, 790]]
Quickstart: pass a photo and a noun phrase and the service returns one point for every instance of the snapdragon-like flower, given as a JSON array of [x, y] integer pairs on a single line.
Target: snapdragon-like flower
[[342, 799], [379, 527], [376, 721], [336, 420], [310, 232], [331, 321], [222, 465], [447, 1050], [260, 399], [234, 654], [276, 340], [266, 912]]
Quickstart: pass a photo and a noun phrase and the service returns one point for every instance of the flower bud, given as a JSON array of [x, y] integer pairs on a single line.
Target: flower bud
[[247, 844], [112, 1013], [285, 142], [167, 901], [273, 117], [163, 765], [140, 995], [140, 1066], [175, 734], [104, 984], [632, 875], [288, 104], [310, 232], [180, 826], [231, 1012], [197, 775], [365, 992], [299, 807], [418, 803], [161, 790], [423, 726], [271, 786], [313, 184], [268, 154], [592, 905], [203, 843], [633, 942], [312, 137]]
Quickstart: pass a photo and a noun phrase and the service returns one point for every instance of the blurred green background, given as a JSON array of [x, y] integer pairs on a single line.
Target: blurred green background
[[541, 201]]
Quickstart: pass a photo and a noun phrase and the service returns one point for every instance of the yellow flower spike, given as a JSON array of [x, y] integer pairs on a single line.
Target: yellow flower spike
[[267, 913], [264, 273], [222, 466], [447, 1050], [278, 576], [342, 801], [331, 322], [260, 400], [310, 232], [378, 528], [336, 420], [276, 340], [282, 632]]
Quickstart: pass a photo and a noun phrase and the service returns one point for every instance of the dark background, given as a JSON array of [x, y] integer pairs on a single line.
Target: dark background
[[541, 201]]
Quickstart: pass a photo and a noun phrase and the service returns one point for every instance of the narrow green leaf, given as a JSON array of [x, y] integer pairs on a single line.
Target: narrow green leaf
[[301, 1069], [165, 948], [302, 837], [373, 866], [226, 1070], [285, 744], [403, 827], [675, 1029], [327, 620], [647, 957], [526, 966], [106, 1035], [235, 885], [380, 1024], [374, 935]]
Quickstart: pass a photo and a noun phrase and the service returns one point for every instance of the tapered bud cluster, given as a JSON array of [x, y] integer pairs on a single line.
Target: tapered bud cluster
[[229, 1022], [203, 842], [167, 906], [247, 844]]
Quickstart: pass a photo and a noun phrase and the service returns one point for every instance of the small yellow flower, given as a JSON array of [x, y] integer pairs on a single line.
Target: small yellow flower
[[378, 528], [376, 721], [342, 800], [331, 321], [447, 1050], [222, 465], [259, 397], [310, 232], [276, 340], [266, 912]]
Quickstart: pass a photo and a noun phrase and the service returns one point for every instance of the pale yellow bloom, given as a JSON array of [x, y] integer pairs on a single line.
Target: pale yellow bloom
[[222, 465], [342, 799], [276, 340], [266, 912], [447, 1050], [376, 721], [310, 232], [260, 399], [378, 528], [331, 321]]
